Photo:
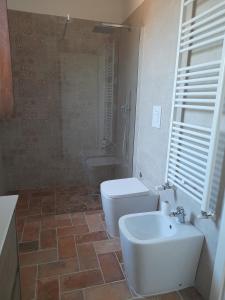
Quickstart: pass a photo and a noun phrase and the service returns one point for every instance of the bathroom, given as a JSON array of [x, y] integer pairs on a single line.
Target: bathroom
[[86, 95]]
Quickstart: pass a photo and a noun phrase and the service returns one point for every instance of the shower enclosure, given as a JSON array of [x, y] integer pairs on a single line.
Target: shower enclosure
[[98, 116], [74, 103]]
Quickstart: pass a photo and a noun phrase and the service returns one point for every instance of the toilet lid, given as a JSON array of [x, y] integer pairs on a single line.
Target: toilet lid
[[123, 188]]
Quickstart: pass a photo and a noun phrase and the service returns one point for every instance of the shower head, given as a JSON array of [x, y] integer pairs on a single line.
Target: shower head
[[108, 28], [68, 20]]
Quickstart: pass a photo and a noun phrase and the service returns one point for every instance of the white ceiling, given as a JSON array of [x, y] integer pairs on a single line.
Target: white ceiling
[[99, 10], [129, 6]]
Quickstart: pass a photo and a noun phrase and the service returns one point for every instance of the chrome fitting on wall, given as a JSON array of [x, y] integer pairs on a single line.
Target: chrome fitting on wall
[[207, 215], [164, 187]]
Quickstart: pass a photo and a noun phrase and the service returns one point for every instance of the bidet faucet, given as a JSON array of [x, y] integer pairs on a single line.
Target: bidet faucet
[[180, 214]]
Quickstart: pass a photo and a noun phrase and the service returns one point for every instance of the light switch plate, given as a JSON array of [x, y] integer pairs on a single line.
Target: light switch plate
[[156, 116]]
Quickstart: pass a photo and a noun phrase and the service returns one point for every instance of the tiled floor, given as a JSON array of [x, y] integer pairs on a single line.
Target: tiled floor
[[70, 256], [56, 201]]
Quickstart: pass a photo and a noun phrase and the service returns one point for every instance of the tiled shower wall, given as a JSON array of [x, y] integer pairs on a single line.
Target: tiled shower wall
[[58, 83]]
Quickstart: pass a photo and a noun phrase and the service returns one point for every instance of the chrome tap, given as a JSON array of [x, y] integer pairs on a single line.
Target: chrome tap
[[180, 214]]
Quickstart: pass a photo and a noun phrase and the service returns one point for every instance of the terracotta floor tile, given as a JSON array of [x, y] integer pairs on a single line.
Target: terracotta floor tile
[[31, 219], [81, 190], [66, 200], [19, 227], [28, 246], [87, 256], [190, 293], [65, 209], [38, 257], [170, 296], [35, 202], [113, 291], [76, 295], [28, 212], [48, 289], [22, 204], [78, 219], [66, 247], [79, 229], [63, 220], [31, 231], [91, 237], [43, 193], [95, 222], [81, 280], [110, 267], [20, 223], [48, 208], [48, 239], [19, 236], [48, 222], [47, 198], [87, 228], [28, 282], [58, 268], [107, 246]]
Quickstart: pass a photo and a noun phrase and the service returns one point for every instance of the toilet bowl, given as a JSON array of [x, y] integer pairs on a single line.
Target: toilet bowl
[[125, 196]]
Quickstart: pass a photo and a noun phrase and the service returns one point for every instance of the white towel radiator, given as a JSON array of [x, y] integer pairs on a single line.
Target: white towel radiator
[[197, 87]]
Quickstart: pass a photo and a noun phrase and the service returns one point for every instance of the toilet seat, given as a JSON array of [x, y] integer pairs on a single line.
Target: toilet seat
[[128, 187]]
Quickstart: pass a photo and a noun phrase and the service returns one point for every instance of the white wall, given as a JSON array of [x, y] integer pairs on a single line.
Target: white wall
[[157, 66], [159, 40], [97, 10]]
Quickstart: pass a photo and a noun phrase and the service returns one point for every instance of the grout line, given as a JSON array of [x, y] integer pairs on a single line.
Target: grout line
[[46, 263], [100, 268], [120, 264], [78, 290], [77, 272], [78, 259], [105, 284], [21, 239], [29, 200], [39, 243], [55, 201], [36, 284], [96, 286], [35, 251], [179, 294], [59, 281], [108, 235], [86, 220], [60, 275], [68, 274], [71, 220], [57, 245]]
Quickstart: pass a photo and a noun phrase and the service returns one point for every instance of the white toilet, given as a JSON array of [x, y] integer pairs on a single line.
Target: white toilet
[[122, 197]]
